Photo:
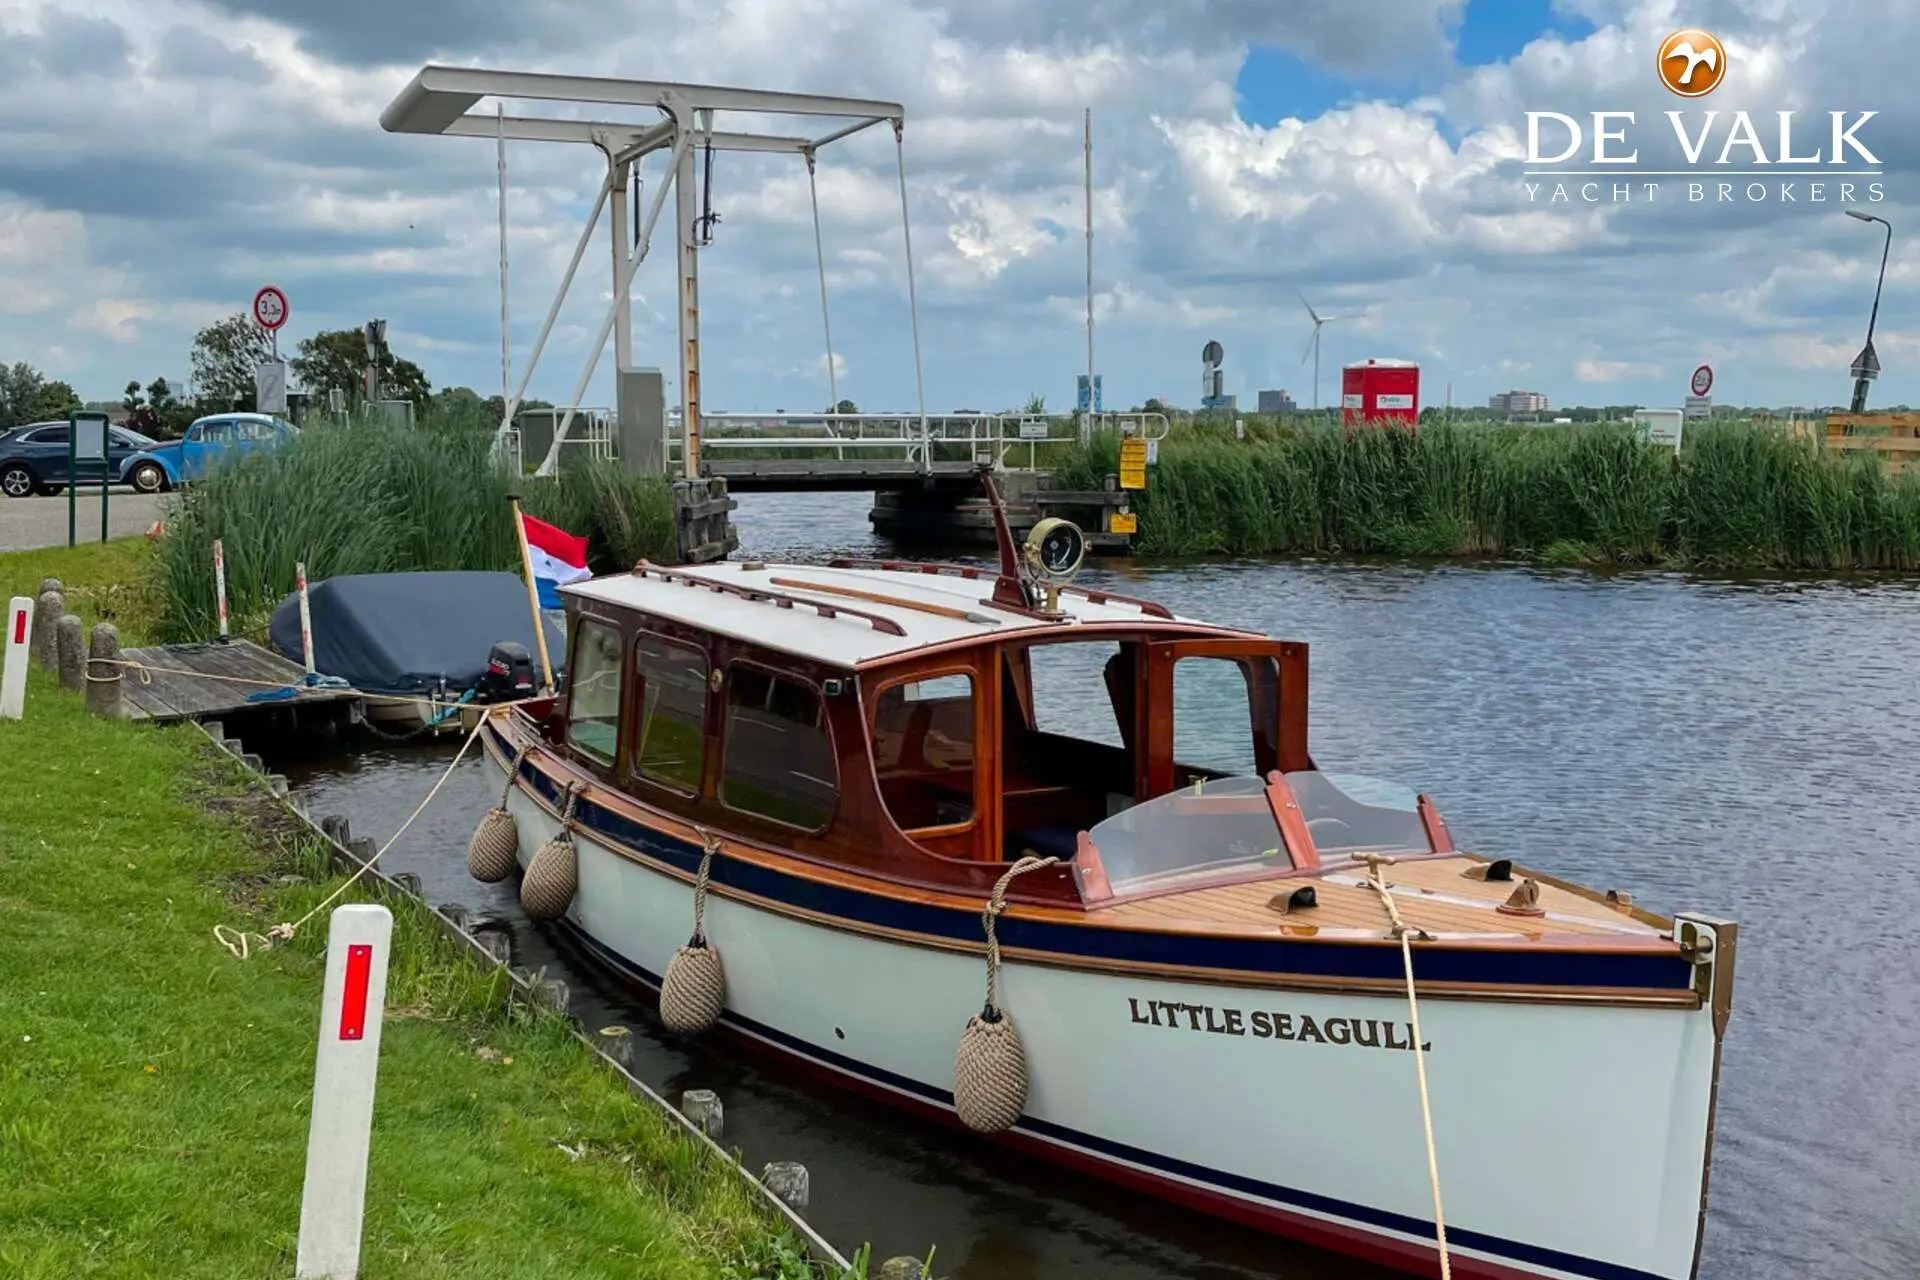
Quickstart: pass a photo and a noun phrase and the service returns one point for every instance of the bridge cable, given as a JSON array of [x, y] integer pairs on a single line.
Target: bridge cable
[[913, 303], [820, 257]]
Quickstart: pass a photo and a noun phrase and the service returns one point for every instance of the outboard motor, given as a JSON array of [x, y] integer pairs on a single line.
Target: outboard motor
[[509, 673]]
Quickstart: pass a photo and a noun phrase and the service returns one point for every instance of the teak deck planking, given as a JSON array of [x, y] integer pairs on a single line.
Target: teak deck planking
[[197, 681], [1420, 891]]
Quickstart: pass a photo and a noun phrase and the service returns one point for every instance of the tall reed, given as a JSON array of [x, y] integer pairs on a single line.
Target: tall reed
[[1739, 495], [367, 497]]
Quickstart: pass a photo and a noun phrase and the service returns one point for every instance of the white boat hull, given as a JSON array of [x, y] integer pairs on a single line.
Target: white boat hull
[[1571, 1138]]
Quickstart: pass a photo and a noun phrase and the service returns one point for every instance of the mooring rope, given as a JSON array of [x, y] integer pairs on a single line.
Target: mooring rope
[[996, 903], [1404, 932], [286, 932], [710, 845], [147, 671]]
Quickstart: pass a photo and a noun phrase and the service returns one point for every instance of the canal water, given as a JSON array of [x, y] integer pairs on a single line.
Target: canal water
[[1743, 748]]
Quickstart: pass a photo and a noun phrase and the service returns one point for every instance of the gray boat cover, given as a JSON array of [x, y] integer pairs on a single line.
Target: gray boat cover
[[409, 632]]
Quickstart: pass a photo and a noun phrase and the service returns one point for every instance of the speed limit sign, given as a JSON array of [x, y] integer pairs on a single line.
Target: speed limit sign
[[1702, 380], [270, 308]]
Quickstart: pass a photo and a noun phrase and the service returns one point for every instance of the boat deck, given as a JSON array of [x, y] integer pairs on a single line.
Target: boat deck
[[1433, 894]]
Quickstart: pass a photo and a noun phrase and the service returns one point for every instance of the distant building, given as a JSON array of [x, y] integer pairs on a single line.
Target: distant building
[[1277, 402], [1518, 402]]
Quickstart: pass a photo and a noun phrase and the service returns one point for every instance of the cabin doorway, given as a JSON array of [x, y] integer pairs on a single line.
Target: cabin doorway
[[1069, 717]]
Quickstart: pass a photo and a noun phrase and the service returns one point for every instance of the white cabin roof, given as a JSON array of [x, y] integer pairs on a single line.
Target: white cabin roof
[[848, 638]]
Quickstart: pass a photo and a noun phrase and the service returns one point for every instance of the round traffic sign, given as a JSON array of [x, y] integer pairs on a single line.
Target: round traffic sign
[[1702, 379], [1213, 353], [270, 307]]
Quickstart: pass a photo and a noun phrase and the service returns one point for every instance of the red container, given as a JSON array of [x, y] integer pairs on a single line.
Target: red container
[[1380, 390]]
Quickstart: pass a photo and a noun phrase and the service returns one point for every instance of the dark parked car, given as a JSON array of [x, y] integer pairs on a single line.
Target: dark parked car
[[33, 459]]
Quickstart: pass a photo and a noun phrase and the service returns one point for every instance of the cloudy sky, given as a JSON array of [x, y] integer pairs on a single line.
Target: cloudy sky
[[162, 158]]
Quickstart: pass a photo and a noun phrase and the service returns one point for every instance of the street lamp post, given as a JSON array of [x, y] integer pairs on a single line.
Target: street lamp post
[[1866, 365]]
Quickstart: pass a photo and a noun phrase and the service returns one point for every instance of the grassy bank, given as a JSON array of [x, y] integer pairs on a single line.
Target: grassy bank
[[1739, 496], [112, 580], [368, 498], [154, 1089]]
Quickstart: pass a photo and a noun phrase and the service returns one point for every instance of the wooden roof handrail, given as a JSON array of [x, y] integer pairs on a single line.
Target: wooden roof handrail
[[899, 602], [1151, 608], [780, 599]]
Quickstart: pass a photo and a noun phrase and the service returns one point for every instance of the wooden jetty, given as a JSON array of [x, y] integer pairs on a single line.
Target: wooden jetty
[[176, 682]]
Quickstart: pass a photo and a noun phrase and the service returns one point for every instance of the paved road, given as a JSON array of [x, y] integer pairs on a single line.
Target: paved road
[[27, 524]]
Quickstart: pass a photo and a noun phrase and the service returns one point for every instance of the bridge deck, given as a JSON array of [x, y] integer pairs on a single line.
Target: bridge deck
[[788, 474]]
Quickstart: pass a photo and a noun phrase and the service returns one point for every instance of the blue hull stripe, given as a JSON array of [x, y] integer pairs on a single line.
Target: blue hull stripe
[[1292, 956], [1231, 1183]]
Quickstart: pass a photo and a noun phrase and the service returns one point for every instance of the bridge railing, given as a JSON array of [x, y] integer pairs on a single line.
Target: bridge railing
[[1007, 441]]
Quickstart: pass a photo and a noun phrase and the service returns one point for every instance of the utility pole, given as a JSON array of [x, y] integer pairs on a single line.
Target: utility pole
[[1089, 123]]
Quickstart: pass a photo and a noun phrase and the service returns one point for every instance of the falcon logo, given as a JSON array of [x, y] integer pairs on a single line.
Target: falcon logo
[[1692, 62]]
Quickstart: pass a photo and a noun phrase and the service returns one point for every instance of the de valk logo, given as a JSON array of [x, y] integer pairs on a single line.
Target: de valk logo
[[1787, 157]]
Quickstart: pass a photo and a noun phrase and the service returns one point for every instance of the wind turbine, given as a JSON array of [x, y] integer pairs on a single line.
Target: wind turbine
[[1313, 343]]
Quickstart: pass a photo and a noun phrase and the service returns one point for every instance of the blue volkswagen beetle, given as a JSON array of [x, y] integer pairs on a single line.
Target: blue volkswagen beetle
[[206, 442]]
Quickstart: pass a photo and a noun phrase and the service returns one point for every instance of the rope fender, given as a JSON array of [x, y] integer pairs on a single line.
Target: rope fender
[[494, 850], [990, 1066], [694, 990], [554, 873]]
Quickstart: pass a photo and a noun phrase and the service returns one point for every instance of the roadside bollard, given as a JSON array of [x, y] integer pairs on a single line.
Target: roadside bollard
[[13, 669], [900, 1269], [72, 639], [702, 1106], [105, 676], [618, 1043], [788, 1180], [46, 621], [352, 1002]]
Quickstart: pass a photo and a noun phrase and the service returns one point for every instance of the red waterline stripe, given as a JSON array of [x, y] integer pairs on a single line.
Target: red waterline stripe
[[353, 998]]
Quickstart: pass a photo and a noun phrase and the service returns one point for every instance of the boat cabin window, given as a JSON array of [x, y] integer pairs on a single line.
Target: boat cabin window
[[593, 700], [670, 747], [779, 758], [1213, 730], [923, 750]]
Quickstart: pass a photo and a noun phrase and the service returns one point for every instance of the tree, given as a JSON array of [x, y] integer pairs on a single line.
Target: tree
[[338, 358], [51, 400], [131, 400], [19, 384], [845, 406], [225, 354], [160, 395], [1036, 403]]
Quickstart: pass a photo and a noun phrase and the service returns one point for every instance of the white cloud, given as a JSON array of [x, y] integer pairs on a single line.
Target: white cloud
[[240, 144]]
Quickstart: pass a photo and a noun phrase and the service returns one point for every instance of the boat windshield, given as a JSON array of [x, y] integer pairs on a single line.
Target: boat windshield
[[1226, 825]]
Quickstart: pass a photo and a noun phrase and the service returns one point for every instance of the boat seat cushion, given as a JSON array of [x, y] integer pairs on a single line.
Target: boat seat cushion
[[1048, 842]]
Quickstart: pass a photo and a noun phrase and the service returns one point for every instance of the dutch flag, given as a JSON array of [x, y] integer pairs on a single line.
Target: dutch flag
[[557, 557]]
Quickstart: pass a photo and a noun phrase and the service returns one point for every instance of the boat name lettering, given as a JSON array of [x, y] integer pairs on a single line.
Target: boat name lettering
[[1264, 1024]]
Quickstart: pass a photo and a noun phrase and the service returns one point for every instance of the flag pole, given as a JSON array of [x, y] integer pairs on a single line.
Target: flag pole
[[533, 592]]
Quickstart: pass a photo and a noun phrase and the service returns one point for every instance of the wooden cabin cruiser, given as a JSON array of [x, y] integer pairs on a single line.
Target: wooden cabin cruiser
[[1205, 953]]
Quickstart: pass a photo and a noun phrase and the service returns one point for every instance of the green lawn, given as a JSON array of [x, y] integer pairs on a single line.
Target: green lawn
[[112, 580], [154, 1089]]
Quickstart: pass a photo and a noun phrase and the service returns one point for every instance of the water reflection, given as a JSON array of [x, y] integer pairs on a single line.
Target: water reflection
[[1733, 746]]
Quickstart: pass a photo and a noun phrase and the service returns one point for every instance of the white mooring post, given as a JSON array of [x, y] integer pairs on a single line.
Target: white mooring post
[[13, 673], [220, 586], [333, 1203], [306, 619]]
